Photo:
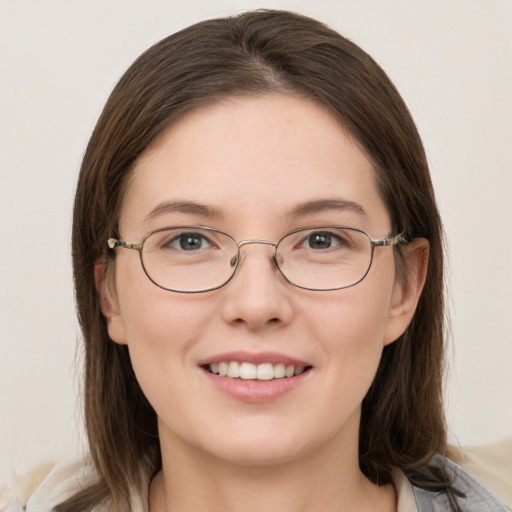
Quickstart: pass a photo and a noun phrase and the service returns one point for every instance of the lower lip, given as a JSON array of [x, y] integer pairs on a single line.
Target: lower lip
[[256, 391]]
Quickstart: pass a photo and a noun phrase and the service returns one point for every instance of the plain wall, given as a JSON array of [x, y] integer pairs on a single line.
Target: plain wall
[[452, 62]]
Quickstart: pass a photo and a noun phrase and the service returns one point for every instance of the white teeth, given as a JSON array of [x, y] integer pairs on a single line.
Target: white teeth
[[265, 371], [233, 370], [279, 371], [223, 369], [249, 371]]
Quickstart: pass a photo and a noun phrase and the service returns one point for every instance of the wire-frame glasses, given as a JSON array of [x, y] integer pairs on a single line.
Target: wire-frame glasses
[[194, 259]]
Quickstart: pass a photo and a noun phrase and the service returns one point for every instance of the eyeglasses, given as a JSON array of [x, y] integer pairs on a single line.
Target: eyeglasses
[[194, 259]]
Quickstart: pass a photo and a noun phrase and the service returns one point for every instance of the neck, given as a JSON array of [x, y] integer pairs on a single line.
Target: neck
[[328, 481]]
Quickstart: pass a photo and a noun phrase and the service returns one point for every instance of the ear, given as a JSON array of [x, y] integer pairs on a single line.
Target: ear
[[109, 303], [407, 290]]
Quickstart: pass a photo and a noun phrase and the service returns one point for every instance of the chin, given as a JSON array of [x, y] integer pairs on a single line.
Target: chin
[[263, 447], [256, 455]]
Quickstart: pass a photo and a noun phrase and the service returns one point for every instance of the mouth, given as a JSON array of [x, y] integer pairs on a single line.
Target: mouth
[[250, 371], [255, 377]]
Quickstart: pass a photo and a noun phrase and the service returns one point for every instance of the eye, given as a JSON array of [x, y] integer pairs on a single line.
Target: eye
[[189, 242], [322, 240]]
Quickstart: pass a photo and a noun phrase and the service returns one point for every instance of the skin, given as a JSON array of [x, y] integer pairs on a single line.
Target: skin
[[254, 159]]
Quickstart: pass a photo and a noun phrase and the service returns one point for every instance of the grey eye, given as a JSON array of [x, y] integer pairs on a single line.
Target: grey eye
[[322, 240], [189, 242]]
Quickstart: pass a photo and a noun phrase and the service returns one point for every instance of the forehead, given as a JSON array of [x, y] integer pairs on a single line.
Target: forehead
[[249, 157]]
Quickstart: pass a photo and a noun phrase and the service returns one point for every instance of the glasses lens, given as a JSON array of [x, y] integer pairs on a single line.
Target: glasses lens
[[189, 259], [325, 258]]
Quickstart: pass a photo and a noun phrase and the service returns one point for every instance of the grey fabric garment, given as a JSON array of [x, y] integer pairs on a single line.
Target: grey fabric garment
[[477, 497]]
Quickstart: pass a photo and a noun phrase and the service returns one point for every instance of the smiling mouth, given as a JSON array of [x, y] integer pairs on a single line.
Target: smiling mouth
[[250, 371]]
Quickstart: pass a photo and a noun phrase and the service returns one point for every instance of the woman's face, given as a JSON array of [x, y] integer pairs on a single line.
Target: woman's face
[[256, 168]]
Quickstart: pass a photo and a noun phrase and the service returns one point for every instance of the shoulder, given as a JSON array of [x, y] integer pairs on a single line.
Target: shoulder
[[47, 486], [44, 488], [472, 496], [491, 464]]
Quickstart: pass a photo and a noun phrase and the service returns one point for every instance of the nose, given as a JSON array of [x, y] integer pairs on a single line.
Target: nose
[[258, 297]]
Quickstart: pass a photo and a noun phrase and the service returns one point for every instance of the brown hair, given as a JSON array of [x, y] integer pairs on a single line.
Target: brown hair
[[258, 52]]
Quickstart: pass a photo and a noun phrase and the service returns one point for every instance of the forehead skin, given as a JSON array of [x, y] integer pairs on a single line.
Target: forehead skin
[[252, 158]]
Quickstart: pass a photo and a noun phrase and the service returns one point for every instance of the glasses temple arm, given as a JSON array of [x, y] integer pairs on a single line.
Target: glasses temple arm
[[113, 243], [394, 240]]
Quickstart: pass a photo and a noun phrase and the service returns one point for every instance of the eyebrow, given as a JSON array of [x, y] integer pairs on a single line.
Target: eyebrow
[[323, 205], [212, 212], [188, 207]]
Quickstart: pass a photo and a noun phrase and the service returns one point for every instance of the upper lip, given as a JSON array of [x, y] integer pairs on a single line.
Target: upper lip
[[254, 358]]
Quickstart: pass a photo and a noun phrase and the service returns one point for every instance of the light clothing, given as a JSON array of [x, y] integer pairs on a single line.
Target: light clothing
[[491, 464]]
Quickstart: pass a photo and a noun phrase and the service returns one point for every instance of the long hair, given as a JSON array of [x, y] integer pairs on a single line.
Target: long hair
[[258, 53]]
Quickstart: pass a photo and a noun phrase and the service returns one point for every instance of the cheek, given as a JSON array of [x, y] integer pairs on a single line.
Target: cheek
[[160, 330], [155, 319], [160, 327], [351, 330], [356, 320], [159, 337], [354, 346]]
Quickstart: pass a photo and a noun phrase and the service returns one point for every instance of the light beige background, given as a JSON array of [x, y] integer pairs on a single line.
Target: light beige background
[[452, 61]]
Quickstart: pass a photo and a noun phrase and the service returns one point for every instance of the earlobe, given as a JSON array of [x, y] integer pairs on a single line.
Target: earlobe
[[109, 303], [407, 290]]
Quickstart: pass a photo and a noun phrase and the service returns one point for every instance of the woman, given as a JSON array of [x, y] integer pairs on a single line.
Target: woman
[[277, 342]]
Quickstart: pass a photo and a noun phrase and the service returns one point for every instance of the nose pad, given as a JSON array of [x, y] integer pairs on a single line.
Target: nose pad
[[237, 260]]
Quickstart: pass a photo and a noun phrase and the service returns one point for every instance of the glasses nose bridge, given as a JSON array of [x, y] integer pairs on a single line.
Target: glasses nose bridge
[[243, 243], [248, 242]]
